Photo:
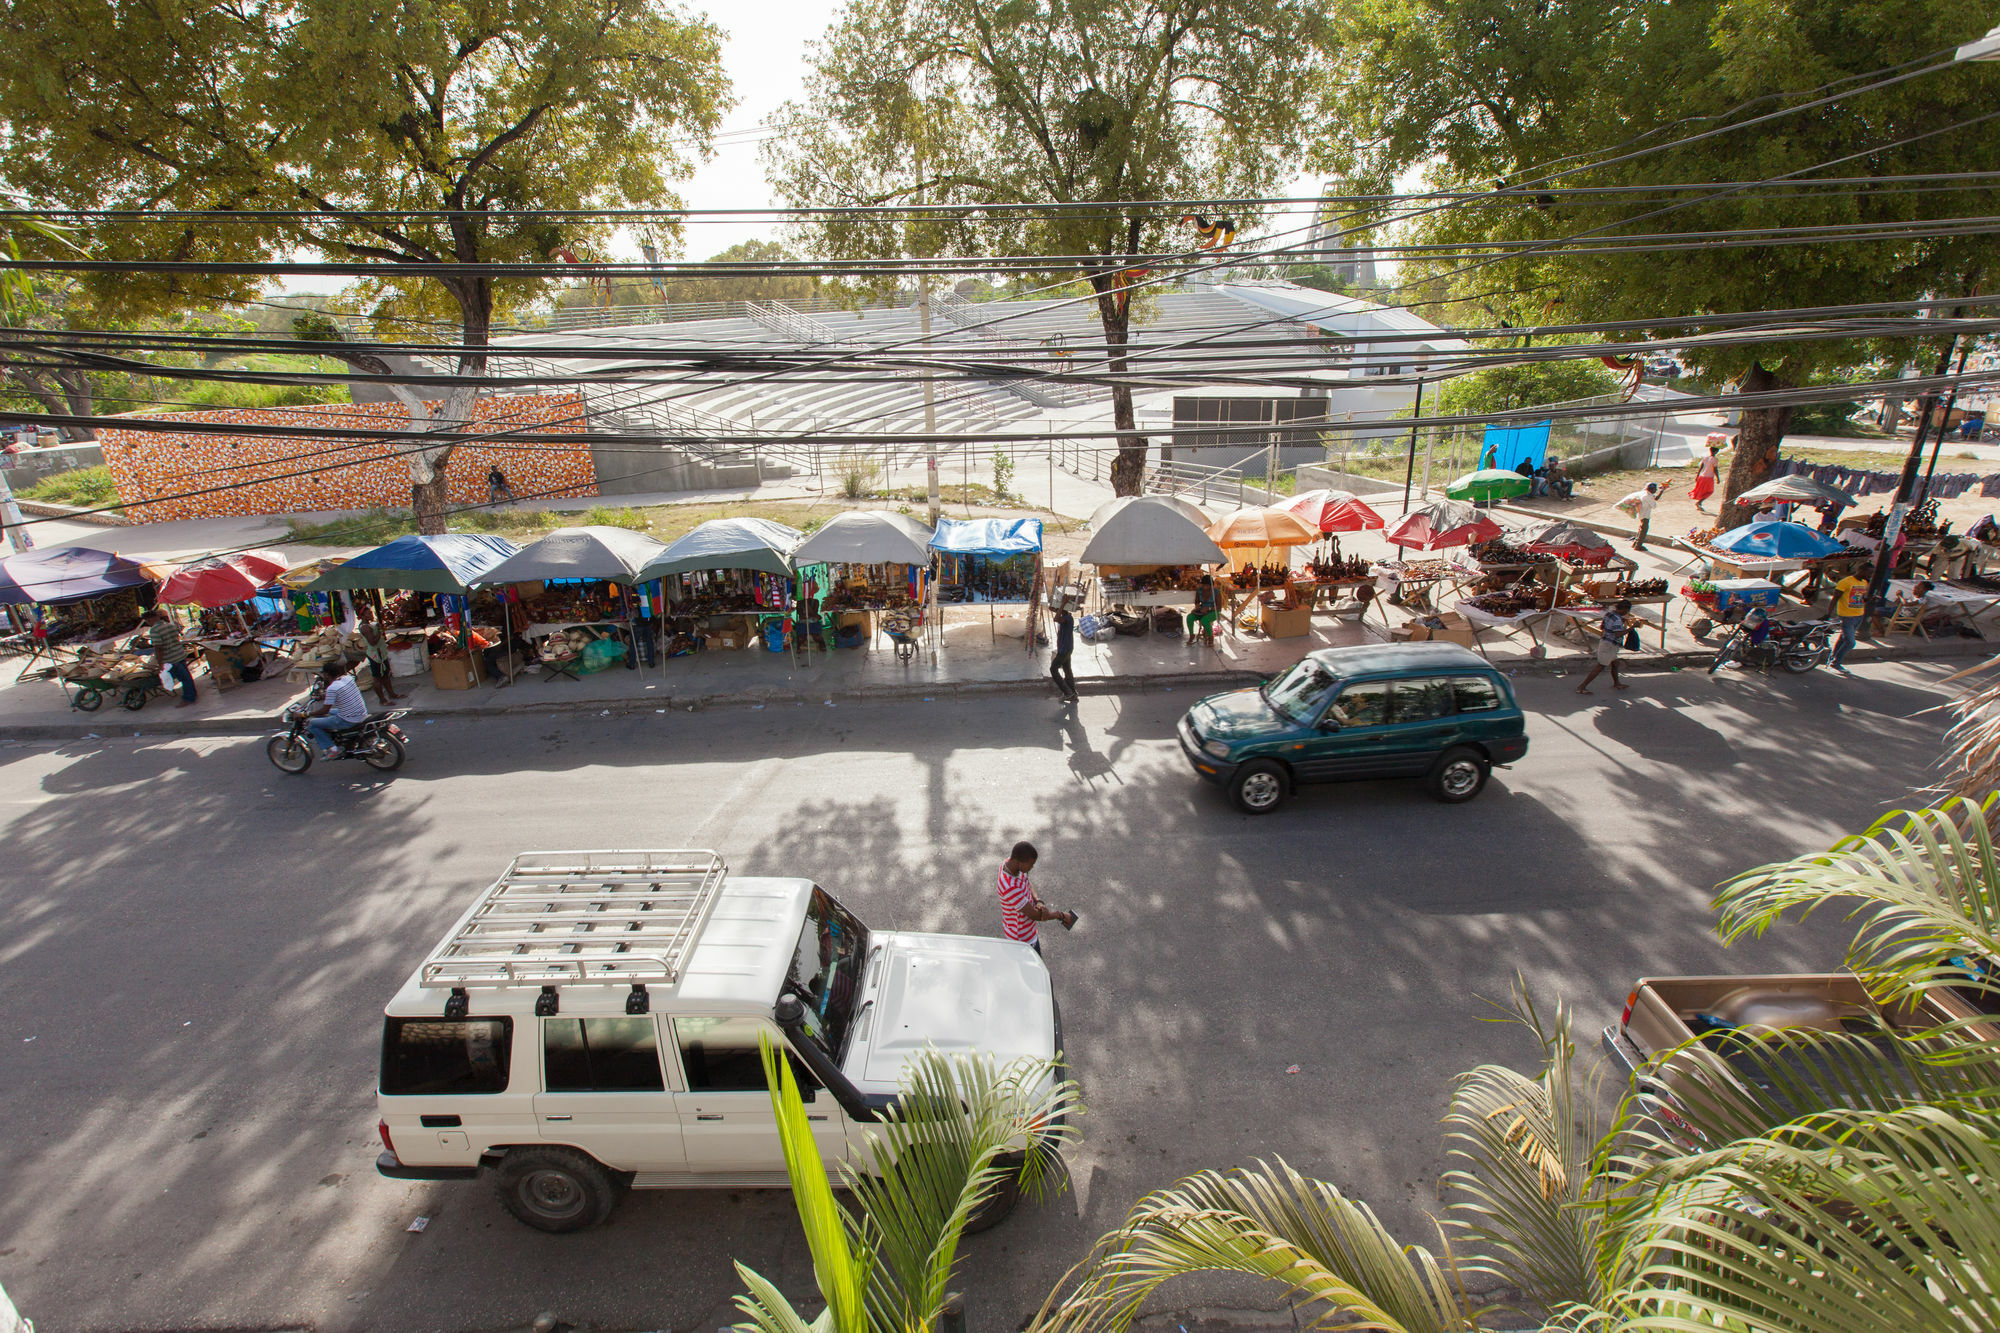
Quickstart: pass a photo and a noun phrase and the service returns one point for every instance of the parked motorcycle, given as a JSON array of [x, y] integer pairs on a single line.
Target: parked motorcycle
[[378, 742], [1797, 647]]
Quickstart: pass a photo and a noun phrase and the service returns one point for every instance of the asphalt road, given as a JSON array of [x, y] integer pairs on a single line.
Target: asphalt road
[[194, 951]]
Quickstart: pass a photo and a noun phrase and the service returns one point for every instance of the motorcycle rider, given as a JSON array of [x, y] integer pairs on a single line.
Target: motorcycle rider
[[341, 706]]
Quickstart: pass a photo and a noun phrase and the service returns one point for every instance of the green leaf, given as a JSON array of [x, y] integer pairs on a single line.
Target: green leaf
[[841, 1272]]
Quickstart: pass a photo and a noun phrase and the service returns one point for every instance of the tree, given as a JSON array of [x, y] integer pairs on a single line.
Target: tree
[[1530, 384], [886, 1266], [1055, 102], [685, 287], [364, 114], [1500, 95]]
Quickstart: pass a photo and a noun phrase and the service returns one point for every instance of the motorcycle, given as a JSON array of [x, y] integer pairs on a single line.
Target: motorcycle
[[378, 742], [1797, 647]]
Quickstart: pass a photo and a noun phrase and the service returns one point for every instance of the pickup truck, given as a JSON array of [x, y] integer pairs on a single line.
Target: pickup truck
[[1664, 1013]]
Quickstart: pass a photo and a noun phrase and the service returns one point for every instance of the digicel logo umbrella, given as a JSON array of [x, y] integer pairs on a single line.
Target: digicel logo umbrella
[[1440, 524], [225, 580], [1334, 511]]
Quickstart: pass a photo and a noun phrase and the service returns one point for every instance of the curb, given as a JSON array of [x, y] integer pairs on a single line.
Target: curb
[[1196, 681]]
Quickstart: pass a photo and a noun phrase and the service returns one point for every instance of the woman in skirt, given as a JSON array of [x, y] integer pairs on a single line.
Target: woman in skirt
[[1704, 481]]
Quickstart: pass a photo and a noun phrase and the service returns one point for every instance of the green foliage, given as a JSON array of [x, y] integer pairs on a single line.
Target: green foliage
[[1529, 385], [84, 487], [1003, 476], [721, 287], [857, 474]]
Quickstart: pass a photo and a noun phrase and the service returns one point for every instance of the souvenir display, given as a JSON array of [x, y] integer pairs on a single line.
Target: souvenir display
[[986, 578], [727, 592], [871, 588], [1337, 568]]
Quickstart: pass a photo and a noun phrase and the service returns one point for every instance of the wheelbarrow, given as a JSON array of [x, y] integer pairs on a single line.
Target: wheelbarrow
[[902, 632]]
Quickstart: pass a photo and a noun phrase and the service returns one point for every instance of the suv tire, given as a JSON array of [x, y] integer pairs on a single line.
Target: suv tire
[[1458, 775], [998, 1206], [555, 1189], [1258, 787]]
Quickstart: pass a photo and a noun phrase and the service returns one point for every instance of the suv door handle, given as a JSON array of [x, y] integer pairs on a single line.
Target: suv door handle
[[555, 1117], [708, 1117]]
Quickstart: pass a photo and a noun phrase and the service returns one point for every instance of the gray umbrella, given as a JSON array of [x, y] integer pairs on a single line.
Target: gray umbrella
[[615, 554], [1798, 489], [1149, 530]]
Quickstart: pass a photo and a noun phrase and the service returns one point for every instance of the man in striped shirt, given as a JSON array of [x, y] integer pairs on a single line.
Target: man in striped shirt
[[1020, 909], [164, 637]]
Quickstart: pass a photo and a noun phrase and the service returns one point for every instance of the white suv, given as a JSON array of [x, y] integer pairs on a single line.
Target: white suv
[[592, 1024]]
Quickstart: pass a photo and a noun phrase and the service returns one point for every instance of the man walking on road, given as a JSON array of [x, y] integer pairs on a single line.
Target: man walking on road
[[1640, 505], [1850, 604], [1020, 909]]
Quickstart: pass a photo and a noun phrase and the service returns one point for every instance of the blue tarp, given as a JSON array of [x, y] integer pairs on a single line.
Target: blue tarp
[[449, 563], [987, 536], [728, 543], [1513, 443], [1774, 540], [66, 574]]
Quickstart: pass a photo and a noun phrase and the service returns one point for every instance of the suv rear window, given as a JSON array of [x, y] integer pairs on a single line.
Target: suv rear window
[[440, 1057], [1475, 694]]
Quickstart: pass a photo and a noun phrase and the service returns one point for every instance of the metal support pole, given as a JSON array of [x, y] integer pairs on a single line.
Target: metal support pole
[[1944, 424], [1430, 439], [1410, 472], [1878, 579]]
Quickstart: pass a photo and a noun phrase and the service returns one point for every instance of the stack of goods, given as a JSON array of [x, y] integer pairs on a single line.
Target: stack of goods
[[1336, 569], [1272, 572], [404, 610], [1704, 536], [1497, 552], [1420, 571], [116, 667], [729, 592], [1610, 590], [1515, 601], [572, 603], [1168, 578], [985, 578], [323, 645], [872, 588], [1921, 523]]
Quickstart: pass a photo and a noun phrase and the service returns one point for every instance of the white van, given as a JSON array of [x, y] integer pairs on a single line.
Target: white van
[[592, 1023]]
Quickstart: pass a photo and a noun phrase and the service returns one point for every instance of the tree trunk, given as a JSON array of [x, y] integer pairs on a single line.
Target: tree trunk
[[1114, 311], [1757, 440], [430, 501]]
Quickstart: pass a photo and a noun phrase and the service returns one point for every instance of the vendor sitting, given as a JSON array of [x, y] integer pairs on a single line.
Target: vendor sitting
[[1555, 480], [341, 707], [1206, 608]]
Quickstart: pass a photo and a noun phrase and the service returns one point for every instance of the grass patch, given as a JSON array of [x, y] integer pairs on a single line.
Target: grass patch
[[84, 487]]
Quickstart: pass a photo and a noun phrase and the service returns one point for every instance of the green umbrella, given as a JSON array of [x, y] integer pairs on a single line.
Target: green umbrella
[[1488, 484]]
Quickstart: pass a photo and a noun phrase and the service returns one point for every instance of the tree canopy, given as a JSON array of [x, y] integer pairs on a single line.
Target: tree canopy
[[1495, 96], [1053, 102], [354, 110]]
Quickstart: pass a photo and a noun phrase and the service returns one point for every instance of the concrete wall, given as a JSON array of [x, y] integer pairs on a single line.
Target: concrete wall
[[31, 465]]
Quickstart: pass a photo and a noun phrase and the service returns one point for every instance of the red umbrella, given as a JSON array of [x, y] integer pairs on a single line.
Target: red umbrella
[[225, 580], [1440, 524], [1334, 511]]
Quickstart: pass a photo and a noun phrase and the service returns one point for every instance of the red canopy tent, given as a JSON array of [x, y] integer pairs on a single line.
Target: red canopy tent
[[1440, 524]]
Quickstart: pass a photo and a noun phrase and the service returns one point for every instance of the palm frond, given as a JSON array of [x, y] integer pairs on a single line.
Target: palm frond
[[768, 1309], [1269, 1222], [942, 1152], [841, 1270], [1853, 1220], [1925, 885], [1972, 746], [1527, 1153]]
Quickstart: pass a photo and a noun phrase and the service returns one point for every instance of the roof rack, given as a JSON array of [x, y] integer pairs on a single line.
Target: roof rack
[[596, 917]]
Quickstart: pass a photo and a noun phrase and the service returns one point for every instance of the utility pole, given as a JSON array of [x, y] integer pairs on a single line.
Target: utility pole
[[1410, 473], [933, 506], [1944, 422], [1879, 579]]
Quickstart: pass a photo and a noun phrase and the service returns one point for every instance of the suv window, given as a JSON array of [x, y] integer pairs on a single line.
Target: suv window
[[722, 1055], [1364, 705], [1475, 694], [600, 1055], [441, 1057], [1419, 700]]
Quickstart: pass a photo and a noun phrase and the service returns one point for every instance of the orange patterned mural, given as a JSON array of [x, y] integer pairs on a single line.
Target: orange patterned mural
[[158, 473]]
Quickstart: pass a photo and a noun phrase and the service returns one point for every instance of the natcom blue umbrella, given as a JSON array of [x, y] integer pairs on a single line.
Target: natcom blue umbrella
[[1773, 540]]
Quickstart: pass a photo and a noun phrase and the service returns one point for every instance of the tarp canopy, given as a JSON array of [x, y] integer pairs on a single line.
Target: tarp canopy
[[1149, 530], [66, 574], [1511, 444], [1773, 540], [728, 543], [988, 536], [1798, 489], [1563, 536], [450, 562], [614, 554], [867, 537]]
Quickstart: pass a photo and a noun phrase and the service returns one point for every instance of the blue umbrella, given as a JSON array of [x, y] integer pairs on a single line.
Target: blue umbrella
[[1773, 540], [447, 563]]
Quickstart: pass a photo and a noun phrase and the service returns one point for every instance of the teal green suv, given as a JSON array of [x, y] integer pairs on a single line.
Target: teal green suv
[[1397, 710]]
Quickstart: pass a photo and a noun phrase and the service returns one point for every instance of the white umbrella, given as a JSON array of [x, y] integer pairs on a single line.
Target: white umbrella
[[1150, 530], [867, 537]]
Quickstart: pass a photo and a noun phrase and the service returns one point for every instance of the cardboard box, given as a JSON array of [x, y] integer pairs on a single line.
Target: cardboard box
[[723, 639], [1291, 624], [454, 673], [1407, 633], [1464, 638]]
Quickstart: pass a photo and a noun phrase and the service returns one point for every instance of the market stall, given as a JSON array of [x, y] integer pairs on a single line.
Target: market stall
[[1438, 526], [1763, 549], [418, 583], [728, 583], [1149, 552], [860, 565], [989, 562], [1259, 544], [83, 597], [579, 606], [225, 588]]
